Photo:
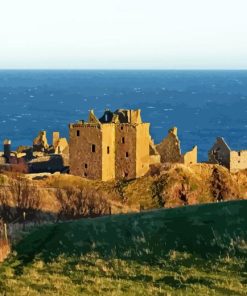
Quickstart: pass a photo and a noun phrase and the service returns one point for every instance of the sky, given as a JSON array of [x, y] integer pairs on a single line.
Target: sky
[[123, 34]]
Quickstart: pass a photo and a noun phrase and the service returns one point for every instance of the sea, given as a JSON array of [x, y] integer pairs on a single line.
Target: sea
[[202, 104]]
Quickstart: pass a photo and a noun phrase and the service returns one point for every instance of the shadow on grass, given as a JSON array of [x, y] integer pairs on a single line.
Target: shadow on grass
[[205, 230]]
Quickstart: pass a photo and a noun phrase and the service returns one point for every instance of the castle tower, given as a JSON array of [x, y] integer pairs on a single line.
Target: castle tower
[[114, 146], [7, 149]]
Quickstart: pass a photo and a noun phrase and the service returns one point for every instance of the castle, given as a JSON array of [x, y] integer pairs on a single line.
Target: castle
[[117, 145]]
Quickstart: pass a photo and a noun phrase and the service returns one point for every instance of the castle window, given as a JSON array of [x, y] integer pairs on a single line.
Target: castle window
[[85, 174], [239, 153], [121, 127], [85, 165], [78, 133], [123, 140], [108, 150], [93, 148], [125, 174], [127, 154]]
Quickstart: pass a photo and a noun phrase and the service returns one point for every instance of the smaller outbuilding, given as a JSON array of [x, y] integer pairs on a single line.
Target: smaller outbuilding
[[221, 153]]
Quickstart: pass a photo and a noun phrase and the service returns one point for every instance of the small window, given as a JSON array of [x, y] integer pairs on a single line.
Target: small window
[[125, 174], [239, 153], [78, 133], [123, 140], [108, 150], [85, 165], [85, 174], [127, 154], [93, 148], [121, 127]]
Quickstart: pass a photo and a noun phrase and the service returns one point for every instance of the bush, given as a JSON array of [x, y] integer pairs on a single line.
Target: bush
[[20, 197], [78, 203]]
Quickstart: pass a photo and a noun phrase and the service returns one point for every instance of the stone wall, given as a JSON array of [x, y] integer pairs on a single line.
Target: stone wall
[[169, 148], [125, 145], [108, 151], [40, 143], [190, 157], [220, 153], [86, 159], [50, 163], [142, 149], [2, 160], [238, 160]]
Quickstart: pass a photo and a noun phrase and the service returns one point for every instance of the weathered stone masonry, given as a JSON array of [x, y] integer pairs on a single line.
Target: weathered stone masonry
[[114, 146], [222, 154]]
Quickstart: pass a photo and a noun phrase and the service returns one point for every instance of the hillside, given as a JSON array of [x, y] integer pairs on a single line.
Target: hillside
[[193, 250], [63, 197]]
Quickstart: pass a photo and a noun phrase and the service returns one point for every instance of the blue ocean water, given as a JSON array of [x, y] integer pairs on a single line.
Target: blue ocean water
[[202, 104]]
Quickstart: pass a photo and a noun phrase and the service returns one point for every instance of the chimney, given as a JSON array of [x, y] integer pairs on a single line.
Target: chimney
[[7, 149]]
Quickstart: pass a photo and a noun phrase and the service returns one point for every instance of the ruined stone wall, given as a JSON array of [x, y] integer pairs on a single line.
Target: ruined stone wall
[[61, 146], [55, 138], [169, 148], [2, 160], [135, 116], [190, 157], [83, 161], [238, 160], [50, 163], [142, 149], [40, 143], [220, 153], [125, 145], [108, 152]]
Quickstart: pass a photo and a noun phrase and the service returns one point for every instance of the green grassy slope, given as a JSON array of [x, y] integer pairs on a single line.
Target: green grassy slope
[[197, 250]]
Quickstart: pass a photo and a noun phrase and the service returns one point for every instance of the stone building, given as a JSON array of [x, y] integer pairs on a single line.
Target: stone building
[[115, 146], [49, 158], [221, 153], [170, 151]]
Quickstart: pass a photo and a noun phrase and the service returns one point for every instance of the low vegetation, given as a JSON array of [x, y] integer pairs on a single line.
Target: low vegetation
[[197, 250], [70, 197]]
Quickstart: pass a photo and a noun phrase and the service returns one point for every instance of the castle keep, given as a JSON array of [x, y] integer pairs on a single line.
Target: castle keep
[[117, 145]]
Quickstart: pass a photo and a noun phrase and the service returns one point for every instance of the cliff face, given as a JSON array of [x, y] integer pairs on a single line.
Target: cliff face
[[176, 184], [164, 186]]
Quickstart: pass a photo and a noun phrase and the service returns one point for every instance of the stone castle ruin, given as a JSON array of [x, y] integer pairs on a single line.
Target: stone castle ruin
[[115, 146], [170, 151], [40, 157], [222, 154], [118, 145]]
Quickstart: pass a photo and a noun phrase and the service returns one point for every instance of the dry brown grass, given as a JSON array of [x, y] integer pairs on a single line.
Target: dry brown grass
[[167, 185]]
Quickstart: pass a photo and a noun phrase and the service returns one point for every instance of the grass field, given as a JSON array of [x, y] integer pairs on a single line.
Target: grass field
[[196, 250]]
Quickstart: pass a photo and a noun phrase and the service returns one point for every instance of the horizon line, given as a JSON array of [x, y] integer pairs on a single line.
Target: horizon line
[[123, 69]]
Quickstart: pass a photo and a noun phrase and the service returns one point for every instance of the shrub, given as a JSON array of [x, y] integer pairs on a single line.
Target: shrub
[[77, 203]]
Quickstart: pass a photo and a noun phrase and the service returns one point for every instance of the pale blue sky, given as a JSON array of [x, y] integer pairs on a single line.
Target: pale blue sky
[[158, 34]]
